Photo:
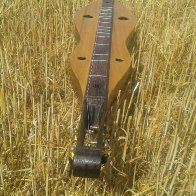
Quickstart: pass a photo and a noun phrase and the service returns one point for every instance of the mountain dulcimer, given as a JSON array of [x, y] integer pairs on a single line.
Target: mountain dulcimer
[[99, 67]]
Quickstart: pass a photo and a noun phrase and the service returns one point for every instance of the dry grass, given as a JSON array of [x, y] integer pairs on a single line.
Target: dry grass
[[152, 149]]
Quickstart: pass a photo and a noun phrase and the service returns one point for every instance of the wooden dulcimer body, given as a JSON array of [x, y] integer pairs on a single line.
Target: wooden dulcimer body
[[99, 65]]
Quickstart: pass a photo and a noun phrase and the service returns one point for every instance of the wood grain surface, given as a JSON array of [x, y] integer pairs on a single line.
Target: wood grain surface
[[86, 21]]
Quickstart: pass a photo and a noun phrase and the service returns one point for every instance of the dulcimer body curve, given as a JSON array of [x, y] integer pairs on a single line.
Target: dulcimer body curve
[[86, 21], [100, 65]]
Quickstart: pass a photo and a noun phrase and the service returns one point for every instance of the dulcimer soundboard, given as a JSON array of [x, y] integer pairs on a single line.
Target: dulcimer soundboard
[[100, 65]]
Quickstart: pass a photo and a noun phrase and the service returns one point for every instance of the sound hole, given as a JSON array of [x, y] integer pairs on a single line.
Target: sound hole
[[81, 58], [88, 16], [119, 60], [123, 18]]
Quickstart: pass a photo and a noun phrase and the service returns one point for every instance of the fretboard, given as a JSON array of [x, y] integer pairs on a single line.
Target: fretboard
[[97, 86], [99, 69]]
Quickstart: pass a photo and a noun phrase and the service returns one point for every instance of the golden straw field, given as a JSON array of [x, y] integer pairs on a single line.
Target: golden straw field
[[152, 130]]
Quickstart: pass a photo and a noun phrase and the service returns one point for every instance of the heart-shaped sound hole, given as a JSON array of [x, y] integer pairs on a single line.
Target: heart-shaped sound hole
[[119, 60], [87, 16], [81, 58], [123, 18]]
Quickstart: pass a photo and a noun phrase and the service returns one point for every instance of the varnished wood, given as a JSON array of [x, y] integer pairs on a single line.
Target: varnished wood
[[120, 60], [85, 32], [121, 37]]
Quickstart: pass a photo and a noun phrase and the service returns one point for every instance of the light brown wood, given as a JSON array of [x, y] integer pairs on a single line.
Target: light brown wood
[[121, 37], [120, 60], [85, 34]]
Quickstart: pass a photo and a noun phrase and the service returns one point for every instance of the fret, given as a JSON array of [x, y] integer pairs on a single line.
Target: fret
[[103, 36], [105, 17], [104, 14], [101, 20], [104, 27], [107, 7], [98, 76], [101, 44], [106, 11], [97, 60], [104, 30], [105, 22], [97, 57], [103, 33], [101, 54]]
